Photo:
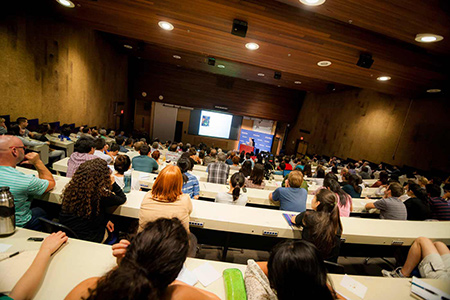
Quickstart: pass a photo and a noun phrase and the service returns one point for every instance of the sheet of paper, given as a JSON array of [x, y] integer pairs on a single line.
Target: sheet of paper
[[187, 276], [427, 291], [4, 247], [206, 274], [15, 267], [354, 286]]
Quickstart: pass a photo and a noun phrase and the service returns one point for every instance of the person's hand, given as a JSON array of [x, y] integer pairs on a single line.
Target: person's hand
[[48, 143], [31, 158], [53, 242], [120, 249], [110, 226]]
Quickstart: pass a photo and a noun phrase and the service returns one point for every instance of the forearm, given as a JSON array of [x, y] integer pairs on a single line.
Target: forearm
[[28, 284], [43, 172]]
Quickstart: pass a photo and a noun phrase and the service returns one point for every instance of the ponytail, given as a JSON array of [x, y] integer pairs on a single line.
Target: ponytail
[[237, 182], [236, 193]]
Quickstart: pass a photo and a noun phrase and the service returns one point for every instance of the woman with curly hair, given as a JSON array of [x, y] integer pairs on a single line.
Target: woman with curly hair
[[85, 200]]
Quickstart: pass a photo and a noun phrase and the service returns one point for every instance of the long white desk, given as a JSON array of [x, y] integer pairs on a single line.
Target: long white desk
[[68, 145]]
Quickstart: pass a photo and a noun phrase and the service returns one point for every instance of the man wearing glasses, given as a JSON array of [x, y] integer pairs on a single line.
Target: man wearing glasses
[[23, 187]]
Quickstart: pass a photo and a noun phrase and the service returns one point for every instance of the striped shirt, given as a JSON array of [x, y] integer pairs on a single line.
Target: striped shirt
[[440, 208], [218, 172], [191, 187], [391, 208], [23, 188]]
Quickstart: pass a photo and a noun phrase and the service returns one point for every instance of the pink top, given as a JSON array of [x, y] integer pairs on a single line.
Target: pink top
[[344, 210]]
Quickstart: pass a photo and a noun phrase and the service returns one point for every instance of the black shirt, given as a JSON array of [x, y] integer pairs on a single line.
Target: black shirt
[[93, 229], [304, 219], [417, 209]]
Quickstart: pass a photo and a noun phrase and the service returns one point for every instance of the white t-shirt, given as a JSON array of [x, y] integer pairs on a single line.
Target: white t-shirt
[[103, 156], [135, 186], [228, 199]]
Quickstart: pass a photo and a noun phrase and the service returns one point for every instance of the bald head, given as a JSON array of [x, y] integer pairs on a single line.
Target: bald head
[[11, 150]]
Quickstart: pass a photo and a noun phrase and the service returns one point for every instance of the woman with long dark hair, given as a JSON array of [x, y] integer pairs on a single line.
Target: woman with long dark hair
[[85, 200], [352, 186], [148, 266], [295, 270], [246, 168], [256, 180], [234, 195], [417, 206], [322, 225], [345, 203], [383, 180]]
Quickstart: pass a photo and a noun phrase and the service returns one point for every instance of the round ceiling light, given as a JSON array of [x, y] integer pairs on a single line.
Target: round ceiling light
[[384, 78], [313, 2], [66, 3], [324, 63], [221, 66], [176, 56], [165, 25], [297, 82], [128, 46], [261, 74], [252, 46], [428, 38], [433, 91]]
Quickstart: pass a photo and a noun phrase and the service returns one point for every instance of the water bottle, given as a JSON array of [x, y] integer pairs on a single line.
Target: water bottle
[[127, 181], [7, 212]]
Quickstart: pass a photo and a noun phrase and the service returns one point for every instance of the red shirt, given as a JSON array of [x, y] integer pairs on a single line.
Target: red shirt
[[288, 167]]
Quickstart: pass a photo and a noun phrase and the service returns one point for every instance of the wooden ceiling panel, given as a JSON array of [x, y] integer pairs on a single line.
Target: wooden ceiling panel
[[291, 40]]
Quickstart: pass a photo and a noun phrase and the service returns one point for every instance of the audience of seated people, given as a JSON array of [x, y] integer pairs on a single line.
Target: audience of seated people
[[144, 162], [120, 140], [292, 197], [236, 195]]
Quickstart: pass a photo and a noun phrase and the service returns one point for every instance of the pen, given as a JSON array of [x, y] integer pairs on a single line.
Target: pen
[[429, 291], [11, 255]]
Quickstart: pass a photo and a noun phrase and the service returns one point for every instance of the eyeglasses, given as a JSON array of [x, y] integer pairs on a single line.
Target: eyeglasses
[[23, 147]]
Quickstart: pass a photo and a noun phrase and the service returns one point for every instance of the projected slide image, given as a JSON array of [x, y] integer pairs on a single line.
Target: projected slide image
[[215, 124]]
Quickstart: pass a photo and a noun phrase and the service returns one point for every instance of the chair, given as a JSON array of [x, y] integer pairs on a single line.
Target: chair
[[334, 268], [51, 226]]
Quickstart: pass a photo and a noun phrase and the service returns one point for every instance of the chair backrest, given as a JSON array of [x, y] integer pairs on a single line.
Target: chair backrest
[[334, 267], [51, 226]]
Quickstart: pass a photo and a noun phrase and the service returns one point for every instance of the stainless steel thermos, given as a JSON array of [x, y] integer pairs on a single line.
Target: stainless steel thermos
[[7, 212]]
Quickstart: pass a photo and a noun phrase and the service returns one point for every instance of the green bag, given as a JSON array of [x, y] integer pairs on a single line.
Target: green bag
[[234, 285]]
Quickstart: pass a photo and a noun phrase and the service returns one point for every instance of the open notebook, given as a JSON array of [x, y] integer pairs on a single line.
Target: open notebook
[[13, 268]]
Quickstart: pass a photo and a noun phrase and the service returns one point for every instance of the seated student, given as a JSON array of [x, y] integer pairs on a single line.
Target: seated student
[[234, 195], [281, 168], [211, 157], [352, 186], [218, 172], [29, 283], [432, 259], [230, 155], [351, 168], [3, 128], [292, 197], [256, 180], [166, 199], [143, 162], [383, 180], [417, 205], [155, 146], [246, 169], [53, 154], [193, 154], [440, 207], [83, 151], [364, 173], [287, 161], [148, 266], [23, 187], [345, 202], [301, 165], [248, 157], [122, 164], [120, 140], [320, 172], [201, 156], [114, 151], [27, 141], [295, 270], [22, 122], [191, 186], [308, 170], [100, 149], [172, 154], [129, 144], [322, 225], [156, 155], [235, 166], [86, 198], [390, 206]]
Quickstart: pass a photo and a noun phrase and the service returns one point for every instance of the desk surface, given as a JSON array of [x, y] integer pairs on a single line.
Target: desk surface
[[79, 260]]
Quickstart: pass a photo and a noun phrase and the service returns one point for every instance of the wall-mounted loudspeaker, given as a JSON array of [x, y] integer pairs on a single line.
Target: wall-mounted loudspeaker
[[365, 60], [277, 75], [239, 28]]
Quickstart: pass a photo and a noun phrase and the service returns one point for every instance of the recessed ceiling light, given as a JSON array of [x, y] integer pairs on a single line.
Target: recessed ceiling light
[[221, 66], [384, 78], [252, 46], [128, 46], [324, 63], [297, 82], [261, 74], [279, 85], [165, 25], [433, 91], [428, 38], [176, 56], [312, 2], [66, 3]]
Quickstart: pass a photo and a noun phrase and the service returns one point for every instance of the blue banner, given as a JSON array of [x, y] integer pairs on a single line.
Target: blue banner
[[263, 141]]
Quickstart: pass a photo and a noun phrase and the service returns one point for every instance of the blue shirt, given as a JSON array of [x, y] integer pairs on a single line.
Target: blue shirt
[[291, 199], [23, 188], [123, 149], [144, 163], [191, 187]]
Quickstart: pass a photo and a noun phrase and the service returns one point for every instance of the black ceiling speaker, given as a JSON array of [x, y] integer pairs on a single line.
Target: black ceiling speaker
[[277, 75], [211, 61], [331, 87], [365, 60], [239, 28]]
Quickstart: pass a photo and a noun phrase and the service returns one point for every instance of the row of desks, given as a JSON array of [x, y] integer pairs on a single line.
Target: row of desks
[[267, 222], [78, 260]]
